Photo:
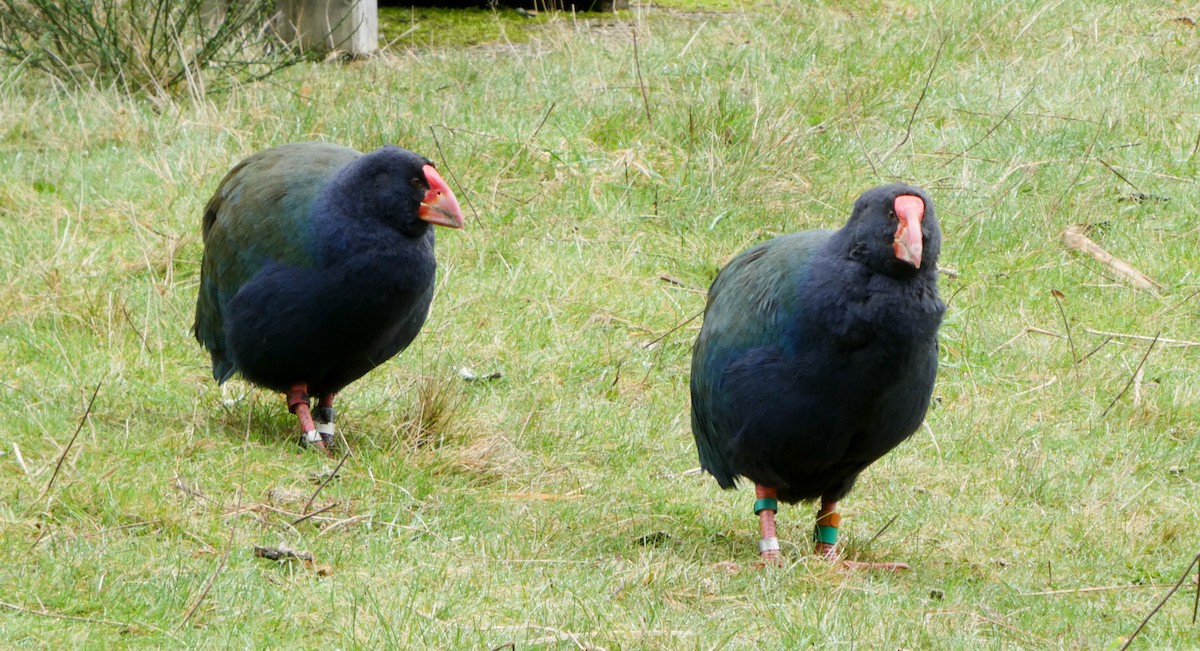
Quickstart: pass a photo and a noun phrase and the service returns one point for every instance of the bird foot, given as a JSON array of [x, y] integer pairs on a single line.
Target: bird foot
[[829, 553], [318, 442], [768, 553], [770, 558]]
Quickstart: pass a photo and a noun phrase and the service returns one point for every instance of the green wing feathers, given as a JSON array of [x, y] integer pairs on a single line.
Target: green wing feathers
[[746, 300], [258, 215]]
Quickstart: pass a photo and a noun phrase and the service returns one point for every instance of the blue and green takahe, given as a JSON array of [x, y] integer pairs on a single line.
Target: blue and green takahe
[[318, 266], [818, 355]]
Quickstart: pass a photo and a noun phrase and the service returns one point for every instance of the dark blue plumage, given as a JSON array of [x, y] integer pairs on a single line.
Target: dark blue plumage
[[818, 351], [318, 264]]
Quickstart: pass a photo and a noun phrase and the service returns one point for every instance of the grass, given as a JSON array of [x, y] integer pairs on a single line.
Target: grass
[[553, 507]]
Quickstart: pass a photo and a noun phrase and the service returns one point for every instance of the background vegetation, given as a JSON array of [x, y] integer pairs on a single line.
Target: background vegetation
[[156, 48], [609, 168]]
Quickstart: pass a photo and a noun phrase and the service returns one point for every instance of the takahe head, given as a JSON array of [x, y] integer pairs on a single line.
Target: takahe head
[[395, 186], [894, 230]]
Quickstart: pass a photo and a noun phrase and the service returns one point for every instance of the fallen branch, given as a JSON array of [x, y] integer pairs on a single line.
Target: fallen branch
[[1183, 577], [63, 456], [937, 56], [1074, 239], [1058, 299], [637, 62], [1096, 588], [328, 479], [673, 329], [281, 554], [1022, 333], [1137, 373], [1167, 343], [309, 515], [75, 618]]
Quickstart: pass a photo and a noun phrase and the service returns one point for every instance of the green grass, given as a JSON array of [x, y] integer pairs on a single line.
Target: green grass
[[554, 507]]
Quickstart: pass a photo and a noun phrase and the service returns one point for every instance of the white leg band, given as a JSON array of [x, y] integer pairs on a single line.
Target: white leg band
[[311, 436], [768, 545], [325, 429]]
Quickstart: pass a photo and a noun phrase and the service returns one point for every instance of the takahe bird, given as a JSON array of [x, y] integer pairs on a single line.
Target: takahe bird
[[818, 355], [318, 266]]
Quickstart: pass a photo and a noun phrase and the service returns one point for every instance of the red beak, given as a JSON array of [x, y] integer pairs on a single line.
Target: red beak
[[439, 205], [910, 210]]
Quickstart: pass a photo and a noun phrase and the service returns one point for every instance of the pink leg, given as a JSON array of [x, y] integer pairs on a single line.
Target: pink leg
[[825, 537], [297, 400], [826, 533], [765, 506], [325, 413]]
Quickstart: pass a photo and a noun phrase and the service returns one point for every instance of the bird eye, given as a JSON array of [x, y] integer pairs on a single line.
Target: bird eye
[[418, 182]]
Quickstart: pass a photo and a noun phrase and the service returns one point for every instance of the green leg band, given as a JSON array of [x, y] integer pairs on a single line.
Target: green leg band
[[765, 504], [824, 534]]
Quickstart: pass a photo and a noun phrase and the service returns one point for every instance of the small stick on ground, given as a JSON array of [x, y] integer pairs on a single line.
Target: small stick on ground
[[1094, 350], [1058, 297], [1137, 386], [1022, 333], [1167, 343], [1095, 588], [461, 188], [281, 554], [1082, 166], [937, 56], [1119, 175], [309, 515], [1183, 577], [674, 329], [328, 479], [212, 578], [1074, 239], [989, 132], [881, 530], [76, 618], [63, 456], [637, 64], [1133, 377]]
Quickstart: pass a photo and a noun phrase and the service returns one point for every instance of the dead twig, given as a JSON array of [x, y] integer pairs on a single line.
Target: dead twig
[[1119, 175], [212, 578], [554, 634], [1097, 588], [328, 479], [989, 132], [884, 528], [461, 188], [1058, 297], [309, 515], [637, 64], [674, 329], [920, 100], [343, 523], [1094, 350], [1062, 197], [1131, 378], [281, 554], [1167, 343], [858, 135], [62, 457], [1074, 239], [1027, 330], [1196, 605], [40, 612]]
